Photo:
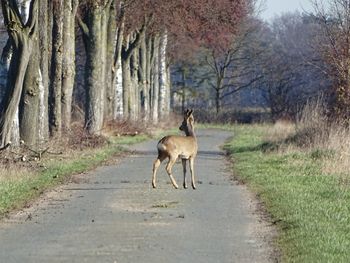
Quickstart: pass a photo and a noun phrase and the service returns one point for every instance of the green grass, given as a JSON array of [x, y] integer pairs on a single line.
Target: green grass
[[17, 193], [311, 209]]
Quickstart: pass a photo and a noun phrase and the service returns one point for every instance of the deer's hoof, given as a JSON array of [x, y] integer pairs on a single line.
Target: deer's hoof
[[185, 186], [154, 185], [194, 187]]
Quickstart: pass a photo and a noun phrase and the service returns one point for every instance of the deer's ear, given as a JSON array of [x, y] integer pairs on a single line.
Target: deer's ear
[[190, 112], [186, 112]]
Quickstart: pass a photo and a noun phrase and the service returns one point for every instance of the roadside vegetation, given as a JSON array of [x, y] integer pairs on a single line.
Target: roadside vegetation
[[25, 174], [301, 172]]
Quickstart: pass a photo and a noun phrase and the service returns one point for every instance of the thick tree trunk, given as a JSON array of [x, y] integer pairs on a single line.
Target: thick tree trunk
[[94, 29], [21, 40], [110, 53], [24, 9], [29, 117], [93, 72], [68, 63], [104, 44], [56, 71], [29, 106]]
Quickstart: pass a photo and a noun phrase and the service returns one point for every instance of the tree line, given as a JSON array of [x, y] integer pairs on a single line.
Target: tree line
[[278, 65], [128, 49]]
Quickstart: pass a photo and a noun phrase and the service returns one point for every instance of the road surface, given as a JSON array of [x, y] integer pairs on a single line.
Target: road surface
[[113, 215]]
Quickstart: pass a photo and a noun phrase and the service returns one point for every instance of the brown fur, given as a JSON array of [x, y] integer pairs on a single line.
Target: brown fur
[[174, 147]]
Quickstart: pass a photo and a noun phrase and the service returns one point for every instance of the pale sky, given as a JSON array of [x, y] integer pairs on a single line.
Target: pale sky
[[277, 7]]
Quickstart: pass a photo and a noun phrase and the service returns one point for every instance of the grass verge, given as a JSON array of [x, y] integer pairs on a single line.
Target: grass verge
[[23, 186], [310, 208]]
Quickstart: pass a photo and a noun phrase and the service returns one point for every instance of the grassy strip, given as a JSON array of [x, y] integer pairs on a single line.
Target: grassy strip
[[17, 193], [311, 209]]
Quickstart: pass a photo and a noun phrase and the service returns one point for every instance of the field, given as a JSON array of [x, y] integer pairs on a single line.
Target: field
[[303, 185]]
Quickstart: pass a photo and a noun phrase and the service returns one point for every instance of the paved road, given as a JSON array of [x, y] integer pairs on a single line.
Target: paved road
[[113, 215]]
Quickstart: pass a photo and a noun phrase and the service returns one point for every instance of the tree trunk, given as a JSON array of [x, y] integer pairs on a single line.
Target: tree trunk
[[29, 106], [126, 86], [21, 40], [94, 29], [118, 75], [68, 63], [217, 100], [163, 77], [144, 104], [148, 86], [56, 71], [43, 125], [24, 9], [93, 72], [155, 81], [129, 91], [110, 53], [168, 95], [134, 91]]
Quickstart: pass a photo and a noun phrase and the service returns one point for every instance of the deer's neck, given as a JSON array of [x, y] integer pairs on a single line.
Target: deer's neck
[[190, 131]]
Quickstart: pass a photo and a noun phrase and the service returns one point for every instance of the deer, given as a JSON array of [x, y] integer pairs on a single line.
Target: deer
[[176, 146]]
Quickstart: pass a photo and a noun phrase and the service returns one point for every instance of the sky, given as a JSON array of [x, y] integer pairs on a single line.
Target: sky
[[277, 7]]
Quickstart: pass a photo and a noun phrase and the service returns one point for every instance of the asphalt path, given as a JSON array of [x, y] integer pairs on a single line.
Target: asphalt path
[[112, 214]]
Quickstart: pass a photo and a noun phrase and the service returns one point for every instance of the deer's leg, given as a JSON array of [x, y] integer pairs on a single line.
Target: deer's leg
[[156, 164], [192, 173], [184, 170], [168, 168]]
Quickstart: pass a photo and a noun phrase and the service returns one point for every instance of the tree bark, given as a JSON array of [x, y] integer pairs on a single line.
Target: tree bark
[[163, 77], [29, 106], [43, 125], [134, 91], [128, 87], [110, 64], [126, 84], [118, 75], [148, 86], [143, 81], [68, 63], [21, 37], [56, 71], [155, 81], [93, 47]]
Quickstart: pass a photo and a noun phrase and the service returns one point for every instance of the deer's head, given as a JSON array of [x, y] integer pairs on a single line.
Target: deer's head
[[187, 123]]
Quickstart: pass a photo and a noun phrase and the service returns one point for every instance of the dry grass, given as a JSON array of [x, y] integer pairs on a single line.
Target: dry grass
[[14, 174], [313, 133], [280, 131]]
